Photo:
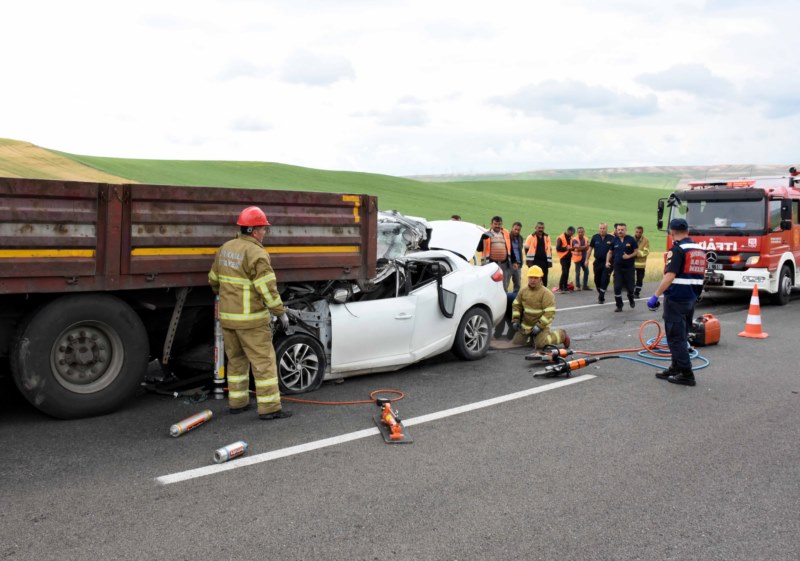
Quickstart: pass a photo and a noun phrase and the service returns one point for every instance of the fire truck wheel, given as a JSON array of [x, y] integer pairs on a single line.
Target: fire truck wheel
[[785, 283], [301, 364], [473, 335], [80, 355]]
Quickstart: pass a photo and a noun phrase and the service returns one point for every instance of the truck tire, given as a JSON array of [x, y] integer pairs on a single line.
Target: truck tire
[[473, 335], [301, 364], [80, 355], [785, 283]]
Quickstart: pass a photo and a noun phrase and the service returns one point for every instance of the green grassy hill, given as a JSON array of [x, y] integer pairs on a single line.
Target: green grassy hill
[[557, 202]]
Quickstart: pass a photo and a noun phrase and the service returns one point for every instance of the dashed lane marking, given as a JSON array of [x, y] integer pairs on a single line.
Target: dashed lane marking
[[349, 437]]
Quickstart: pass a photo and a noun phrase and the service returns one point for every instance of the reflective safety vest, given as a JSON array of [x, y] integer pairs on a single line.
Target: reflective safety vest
[[533, 306], [688, 261], [242, 275], [487, 245], [561, 241], [532, 242], [577, 254], [644, 251]]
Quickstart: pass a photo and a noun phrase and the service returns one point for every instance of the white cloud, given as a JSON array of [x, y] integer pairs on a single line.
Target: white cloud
[[406, 86]]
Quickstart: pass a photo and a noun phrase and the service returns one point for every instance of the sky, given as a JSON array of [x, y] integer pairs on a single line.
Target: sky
[[407, 87]]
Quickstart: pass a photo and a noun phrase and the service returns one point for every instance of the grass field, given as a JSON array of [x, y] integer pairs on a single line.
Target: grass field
[[557, 202]]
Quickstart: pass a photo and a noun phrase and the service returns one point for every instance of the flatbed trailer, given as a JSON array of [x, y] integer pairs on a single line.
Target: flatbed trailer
[[97, 279]]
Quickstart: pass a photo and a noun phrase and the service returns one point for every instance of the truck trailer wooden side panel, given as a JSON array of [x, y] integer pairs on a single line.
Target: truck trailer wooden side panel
[[58, 236]]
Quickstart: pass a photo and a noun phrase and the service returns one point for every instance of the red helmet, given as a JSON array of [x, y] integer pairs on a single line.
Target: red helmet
[[252, 216]]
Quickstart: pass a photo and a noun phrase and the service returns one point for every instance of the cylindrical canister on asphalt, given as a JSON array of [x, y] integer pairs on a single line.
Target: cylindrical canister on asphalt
[[230, 452], [184, 426]]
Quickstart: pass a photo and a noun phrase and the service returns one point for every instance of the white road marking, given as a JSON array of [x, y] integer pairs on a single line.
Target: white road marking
[[348, 437]]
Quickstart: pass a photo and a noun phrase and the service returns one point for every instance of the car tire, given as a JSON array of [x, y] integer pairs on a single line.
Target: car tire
[[785, 283], [80, 355], [473, 335], [301, 364]]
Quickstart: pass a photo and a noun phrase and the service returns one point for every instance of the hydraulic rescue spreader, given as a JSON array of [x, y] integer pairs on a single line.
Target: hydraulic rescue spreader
[[389, 423]]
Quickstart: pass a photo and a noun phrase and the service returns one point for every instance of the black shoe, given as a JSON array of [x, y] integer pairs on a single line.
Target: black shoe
[[631, 301], [618, 309], [277, 415], [637, 293], [237, 410], [665, 374], [683, 377], [601, 300]]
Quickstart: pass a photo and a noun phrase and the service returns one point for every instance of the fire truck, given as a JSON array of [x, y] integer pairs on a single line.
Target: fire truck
[[749, 229]]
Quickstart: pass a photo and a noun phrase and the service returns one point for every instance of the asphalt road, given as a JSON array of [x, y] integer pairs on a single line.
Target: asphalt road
[[618, 465]]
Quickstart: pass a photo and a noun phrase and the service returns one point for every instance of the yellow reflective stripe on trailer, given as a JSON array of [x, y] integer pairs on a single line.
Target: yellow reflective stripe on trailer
[[167, 251], [37, 253]]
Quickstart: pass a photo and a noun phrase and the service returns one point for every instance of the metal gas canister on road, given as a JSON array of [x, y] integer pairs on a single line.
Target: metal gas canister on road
[[705, 331]]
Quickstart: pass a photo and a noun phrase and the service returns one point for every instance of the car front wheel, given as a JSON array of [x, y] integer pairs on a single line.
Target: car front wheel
[[301, 364], [473, 335]]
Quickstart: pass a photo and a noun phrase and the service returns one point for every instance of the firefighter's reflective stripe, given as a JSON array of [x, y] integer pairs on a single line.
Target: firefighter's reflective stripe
[[238, 394], [687, 281], [267, 382], [272, 301], [244, 317], [269, 398], [238, 379], [212, 277]]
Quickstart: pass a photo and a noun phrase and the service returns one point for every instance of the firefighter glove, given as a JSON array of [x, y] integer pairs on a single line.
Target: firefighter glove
[[284, 319], [653, 303], [536, 330]]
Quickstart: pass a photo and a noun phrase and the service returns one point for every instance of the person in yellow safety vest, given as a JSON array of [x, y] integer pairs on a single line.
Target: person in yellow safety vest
[[580, 245], [532, 314], [242, 275], [641, 262], [497, 249], [538, 250]]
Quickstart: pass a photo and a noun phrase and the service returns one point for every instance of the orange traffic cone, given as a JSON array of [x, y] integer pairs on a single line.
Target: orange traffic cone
[[753, 326]]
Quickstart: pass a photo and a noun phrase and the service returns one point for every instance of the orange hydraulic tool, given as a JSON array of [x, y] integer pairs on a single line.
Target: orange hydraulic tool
[[549, 354], [389, 423], [561, 366]]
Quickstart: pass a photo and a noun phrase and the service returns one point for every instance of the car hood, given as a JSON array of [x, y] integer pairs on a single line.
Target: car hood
[[462, 238]]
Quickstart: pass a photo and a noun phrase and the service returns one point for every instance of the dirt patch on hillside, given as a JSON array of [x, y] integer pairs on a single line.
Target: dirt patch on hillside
[[23, 159]]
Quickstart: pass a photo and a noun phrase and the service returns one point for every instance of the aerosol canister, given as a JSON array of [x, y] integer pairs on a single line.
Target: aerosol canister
[[230, 452], [184, 426]]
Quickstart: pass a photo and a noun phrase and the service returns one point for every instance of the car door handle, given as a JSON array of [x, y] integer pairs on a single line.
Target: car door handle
[[404, 316]]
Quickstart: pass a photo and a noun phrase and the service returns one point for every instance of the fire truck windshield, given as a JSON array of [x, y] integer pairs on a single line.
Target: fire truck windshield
[[721, 216]]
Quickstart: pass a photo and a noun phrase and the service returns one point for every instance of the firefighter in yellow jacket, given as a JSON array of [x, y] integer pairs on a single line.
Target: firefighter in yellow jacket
[[532, 314], [242, 275]]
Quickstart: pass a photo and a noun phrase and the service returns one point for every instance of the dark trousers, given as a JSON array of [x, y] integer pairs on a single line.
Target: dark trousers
[[677, 322], [545, 266], [581, 266], [639, 280], [623, 277], [601, 276], [566, 261]]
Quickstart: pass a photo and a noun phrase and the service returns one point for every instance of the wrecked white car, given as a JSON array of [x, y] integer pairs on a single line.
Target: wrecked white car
[[427, 298]]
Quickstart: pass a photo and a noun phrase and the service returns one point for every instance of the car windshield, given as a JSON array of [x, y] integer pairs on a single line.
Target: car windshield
[[720, 216]]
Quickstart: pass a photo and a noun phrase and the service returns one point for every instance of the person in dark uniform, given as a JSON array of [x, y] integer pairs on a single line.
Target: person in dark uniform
[[681, 286], [622, 258], [599, 245], [538, 250]]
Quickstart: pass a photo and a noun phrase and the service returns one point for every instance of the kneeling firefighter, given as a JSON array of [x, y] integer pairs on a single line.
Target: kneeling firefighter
[[533, 312]]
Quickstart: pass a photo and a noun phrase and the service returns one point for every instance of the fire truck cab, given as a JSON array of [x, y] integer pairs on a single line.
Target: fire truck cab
[[749, 228]]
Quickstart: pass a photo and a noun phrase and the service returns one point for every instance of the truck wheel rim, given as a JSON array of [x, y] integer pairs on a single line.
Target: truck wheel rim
[[476, 333], [86, 357], [299, 366]]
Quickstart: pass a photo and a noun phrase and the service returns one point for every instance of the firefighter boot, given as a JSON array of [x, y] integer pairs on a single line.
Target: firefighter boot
[[684, 377], [281, 414]]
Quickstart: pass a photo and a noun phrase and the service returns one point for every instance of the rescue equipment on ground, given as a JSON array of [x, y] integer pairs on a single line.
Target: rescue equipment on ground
[[704, 331], [389, 423], [189, 423], [752, 328], [230, 452], [219, 355], [652, 349]]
